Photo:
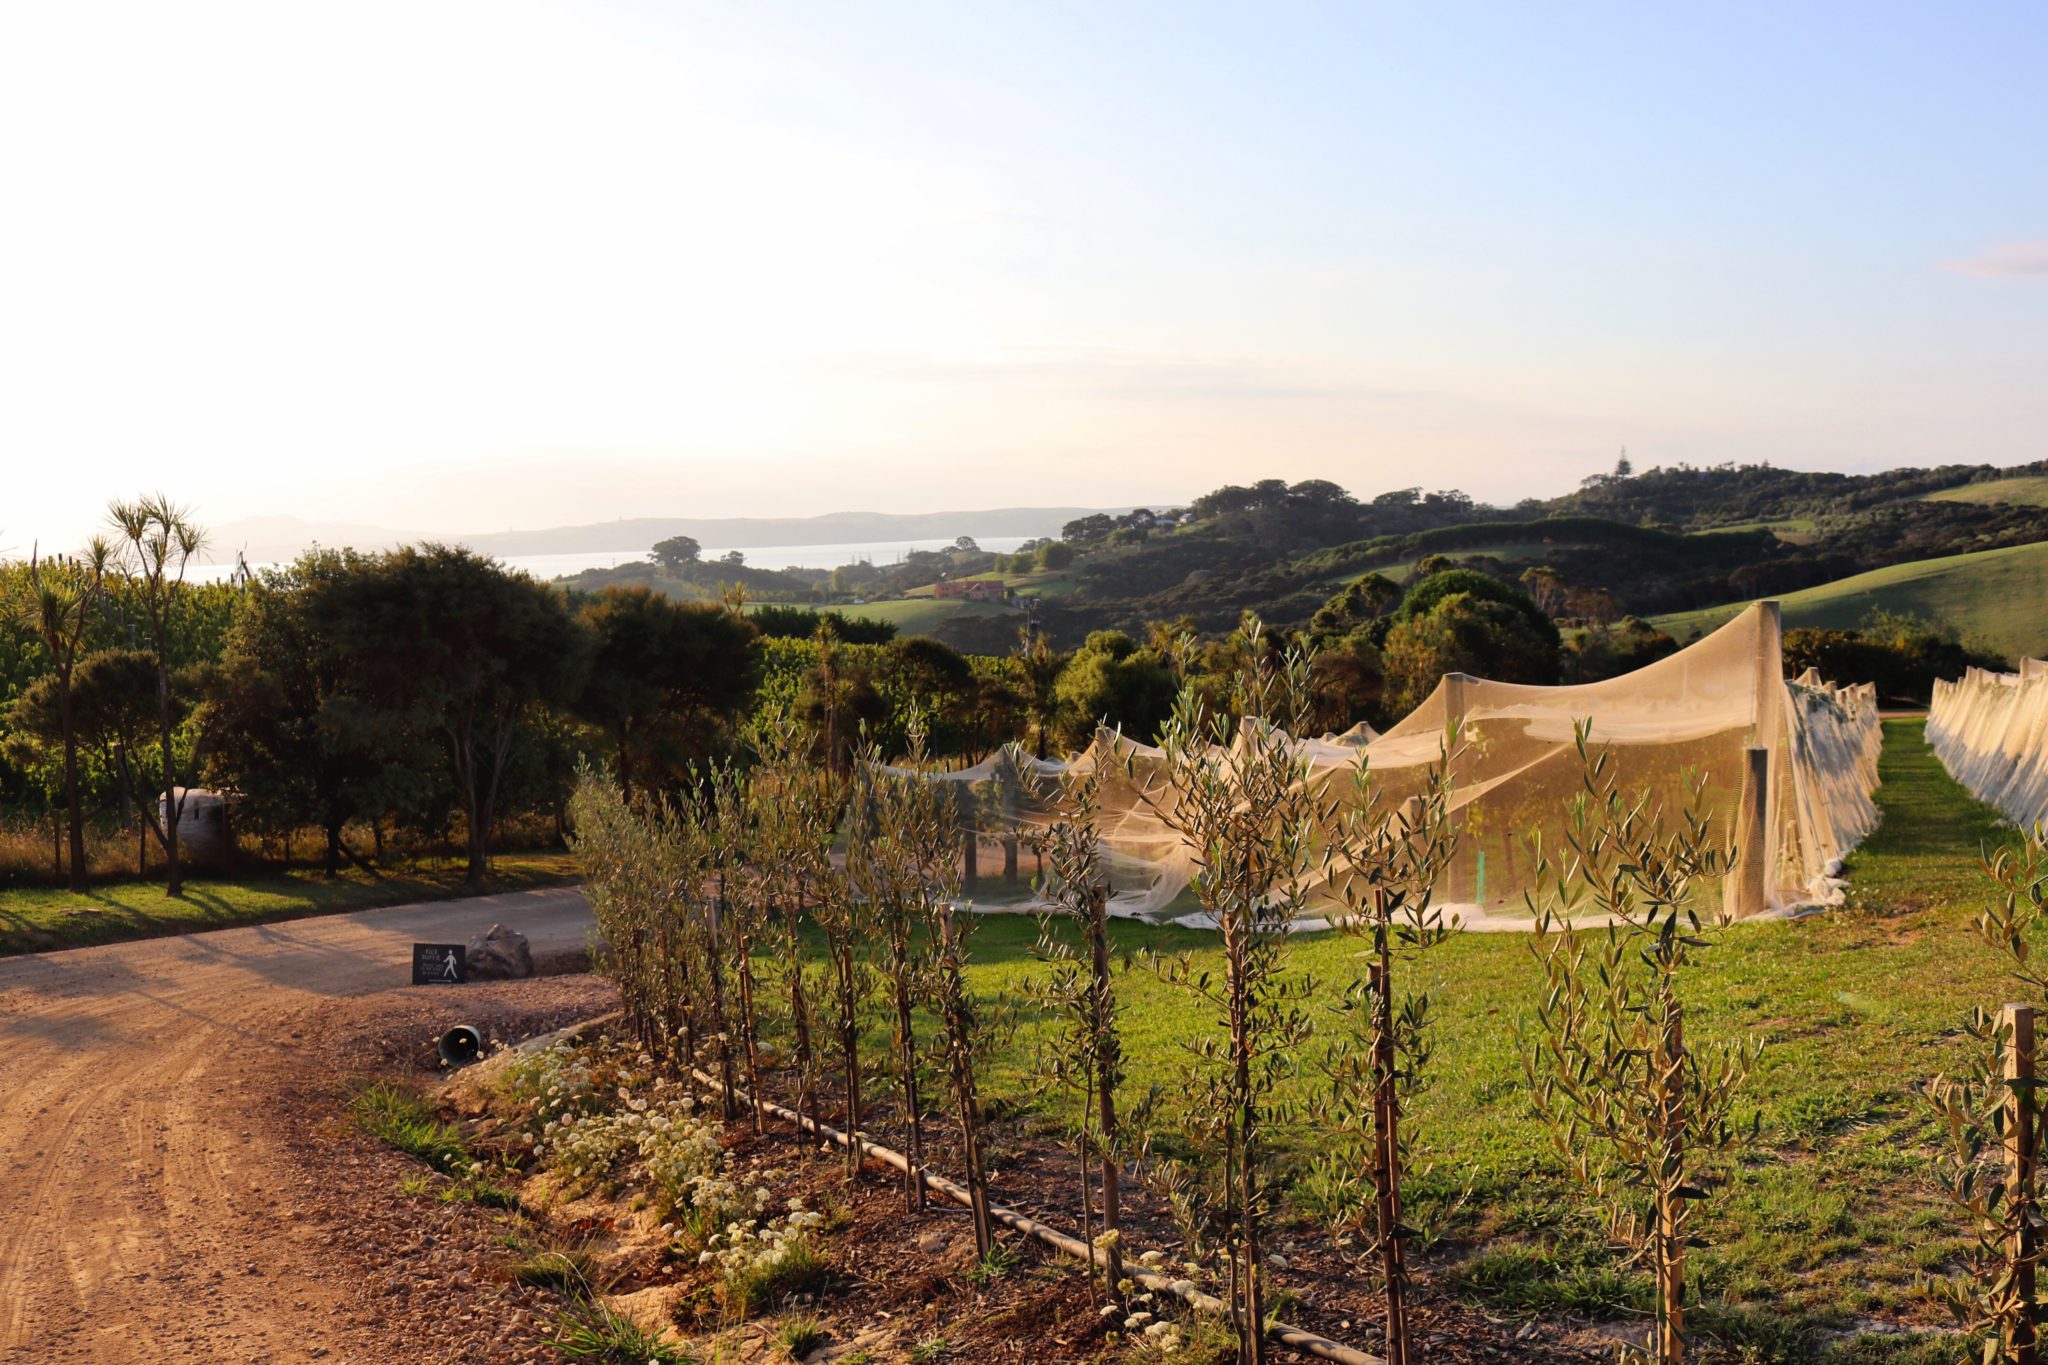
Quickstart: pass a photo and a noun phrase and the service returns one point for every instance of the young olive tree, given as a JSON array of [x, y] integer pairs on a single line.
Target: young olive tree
[[795, 806], [621, 877], [1990, 1106], [1085, 1053], [1387, 865], [692, 833], [844, 919], [1634, 1109], [968, 1028], [1240, 801], [737, 910], [903, 862]]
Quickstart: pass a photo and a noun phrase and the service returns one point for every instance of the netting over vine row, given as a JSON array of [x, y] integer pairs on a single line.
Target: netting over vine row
[[1700, 711], [1990, 731]]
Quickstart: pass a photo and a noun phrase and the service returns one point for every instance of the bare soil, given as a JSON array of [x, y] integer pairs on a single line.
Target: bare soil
[[177, 1180]]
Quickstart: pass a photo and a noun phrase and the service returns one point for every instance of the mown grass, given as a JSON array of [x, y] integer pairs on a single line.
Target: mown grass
[[1992, 597], [1833, 1216], [36, 919]]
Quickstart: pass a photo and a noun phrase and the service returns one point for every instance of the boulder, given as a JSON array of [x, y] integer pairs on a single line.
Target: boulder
[[498, 954]]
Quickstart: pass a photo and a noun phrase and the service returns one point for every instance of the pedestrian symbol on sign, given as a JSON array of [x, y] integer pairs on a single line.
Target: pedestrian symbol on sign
[[438, 964]]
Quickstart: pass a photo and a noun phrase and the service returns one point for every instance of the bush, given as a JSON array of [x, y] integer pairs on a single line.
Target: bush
[[761, 1264]]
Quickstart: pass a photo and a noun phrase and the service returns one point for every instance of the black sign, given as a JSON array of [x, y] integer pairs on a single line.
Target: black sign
[[438, 964]]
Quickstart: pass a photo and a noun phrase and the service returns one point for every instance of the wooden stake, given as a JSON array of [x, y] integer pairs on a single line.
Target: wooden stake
[[1670, 1240], [2019, 1147], [1387, 1167]]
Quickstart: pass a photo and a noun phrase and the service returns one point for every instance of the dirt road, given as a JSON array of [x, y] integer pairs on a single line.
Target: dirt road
[[151, 1200]]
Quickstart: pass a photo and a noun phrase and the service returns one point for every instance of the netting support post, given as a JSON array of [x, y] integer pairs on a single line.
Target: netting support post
[[2018, 1022], [1753, 825], [970, 843], [1006, 776], [1456, 886]]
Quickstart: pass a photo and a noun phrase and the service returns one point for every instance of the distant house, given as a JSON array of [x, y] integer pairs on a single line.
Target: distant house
[[970, 590]]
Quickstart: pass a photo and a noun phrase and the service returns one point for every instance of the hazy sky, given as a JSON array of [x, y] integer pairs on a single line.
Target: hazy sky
[[469, 266]]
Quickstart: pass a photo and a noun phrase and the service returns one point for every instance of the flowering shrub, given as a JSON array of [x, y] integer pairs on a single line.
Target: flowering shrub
[[567, 1081], [762, 1261]]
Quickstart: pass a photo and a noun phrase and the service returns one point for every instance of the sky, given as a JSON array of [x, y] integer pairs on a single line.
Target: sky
[[459, 267]]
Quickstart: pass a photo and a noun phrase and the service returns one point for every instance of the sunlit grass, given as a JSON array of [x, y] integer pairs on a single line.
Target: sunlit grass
[[1833, 1215], [33, 919]]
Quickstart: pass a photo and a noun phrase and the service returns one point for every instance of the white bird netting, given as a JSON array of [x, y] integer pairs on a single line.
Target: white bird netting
[[1990, 731], [1698, 711]]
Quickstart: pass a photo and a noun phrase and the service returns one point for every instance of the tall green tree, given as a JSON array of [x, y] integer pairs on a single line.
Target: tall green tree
[[156, 541], [466, 652], [285, 722], [1462, 621], [666, 681], [1112, 680], [676, 553]]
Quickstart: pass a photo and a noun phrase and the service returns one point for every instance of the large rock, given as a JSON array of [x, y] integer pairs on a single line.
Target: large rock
[[498, 954]]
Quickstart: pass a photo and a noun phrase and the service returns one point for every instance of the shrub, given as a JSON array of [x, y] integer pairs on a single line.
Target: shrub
[[765, 1263]]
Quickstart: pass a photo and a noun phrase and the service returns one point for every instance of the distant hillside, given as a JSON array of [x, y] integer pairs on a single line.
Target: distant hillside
[[1659, 541], [833, 528], [2024, 492], [276, 539], [1992, 597]]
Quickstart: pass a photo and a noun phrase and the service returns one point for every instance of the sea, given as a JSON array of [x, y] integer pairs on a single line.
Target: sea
[[548, 567]]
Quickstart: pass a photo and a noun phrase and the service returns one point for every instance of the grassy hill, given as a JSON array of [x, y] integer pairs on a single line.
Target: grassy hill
[[976, 627], [1993, 597], [2022, 492]]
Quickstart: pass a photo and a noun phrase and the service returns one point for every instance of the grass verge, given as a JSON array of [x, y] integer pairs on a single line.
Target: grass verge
[[410, 1123], [38, 919]]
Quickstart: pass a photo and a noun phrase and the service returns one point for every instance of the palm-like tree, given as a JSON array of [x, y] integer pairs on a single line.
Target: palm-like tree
[[158, 540], [56, 601]]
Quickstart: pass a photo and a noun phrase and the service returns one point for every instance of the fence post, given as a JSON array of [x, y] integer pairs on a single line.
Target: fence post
[[2019, 1146], [1752, 832]]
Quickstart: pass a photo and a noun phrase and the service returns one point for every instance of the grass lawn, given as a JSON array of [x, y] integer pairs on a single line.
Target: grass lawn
[[33, 919], [1991, 596], [1828, 1220]]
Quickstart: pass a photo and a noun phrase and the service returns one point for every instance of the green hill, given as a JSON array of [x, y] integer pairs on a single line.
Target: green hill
[[2022, 492], [1993, 597], [976, 627]]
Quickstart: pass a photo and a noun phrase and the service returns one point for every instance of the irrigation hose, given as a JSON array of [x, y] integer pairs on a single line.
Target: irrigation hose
[[1294, 1337]]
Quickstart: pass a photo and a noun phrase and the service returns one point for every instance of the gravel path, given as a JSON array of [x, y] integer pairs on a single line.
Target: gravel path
[[161, 1197]]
